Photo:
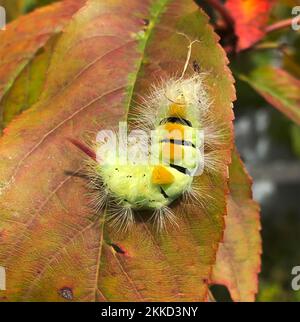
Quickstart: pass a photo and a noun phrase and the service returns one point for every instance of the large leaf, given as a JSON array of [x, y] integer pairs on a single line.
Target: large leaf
[[52, 246], [251, 18], [238, 258], [279, 88], [24, 37]]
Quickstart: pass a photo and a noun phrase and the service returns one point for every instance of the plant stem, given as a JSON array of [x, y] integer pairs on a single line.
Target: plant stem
[[217, 5], [279, 25]]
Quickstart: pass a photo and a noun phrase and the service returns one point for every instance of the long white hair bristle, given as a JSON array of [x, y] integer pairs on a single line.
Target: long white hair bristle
[[162, 217], [120, 217]]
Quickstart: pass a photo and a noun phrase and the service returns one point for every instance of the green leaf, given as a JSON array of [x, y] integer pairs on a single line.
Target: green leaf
[[28, 85], [279, 88], [16, 8]]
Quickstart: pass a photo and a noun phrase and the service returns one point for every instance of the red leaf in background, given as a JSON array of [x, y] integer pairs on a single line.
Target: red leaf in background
[[251, 17], [238, 258]]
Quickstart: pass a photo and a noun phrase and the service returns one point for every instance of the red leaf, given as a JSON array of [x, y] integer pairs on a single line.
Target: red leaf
[[238, 257], [251, 17]]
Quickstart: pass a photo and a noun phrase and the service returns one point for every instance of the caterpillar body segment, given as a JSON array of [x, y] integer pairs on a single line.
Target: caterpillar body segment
[[175, 156]]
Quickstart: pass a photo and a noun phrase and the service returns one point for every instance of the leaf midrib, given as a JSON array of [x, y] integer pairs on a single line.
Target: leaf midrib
[[156, 10]]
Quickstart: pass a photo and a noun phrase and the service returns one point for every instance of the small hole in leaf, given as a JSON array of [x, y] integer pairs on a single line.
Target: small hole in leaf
[[220, 293], [196, 67], [146, 21], [66, 293], [205, 280], [118, 249]]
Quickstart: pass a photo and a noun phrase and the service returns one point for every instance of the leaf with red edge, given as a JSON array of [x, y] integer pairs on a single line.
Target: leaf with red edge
[[238, 257], [22, 40], [52, 246], [278, 88], [251, 18]]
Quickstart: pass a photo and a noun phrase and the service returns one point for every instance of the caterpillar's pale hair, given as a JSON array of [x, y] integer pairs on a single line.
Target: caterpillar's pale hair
[[120, 217], [144, 114], [162, 217]]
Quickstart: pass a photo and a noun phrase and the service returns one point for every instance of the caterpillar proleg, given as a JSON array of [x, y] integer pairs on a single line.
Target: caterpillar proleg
[[175, 139]]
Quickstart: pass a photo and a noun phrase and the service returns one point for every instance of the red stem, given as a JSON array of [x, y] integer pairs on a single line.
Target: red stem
[[84, 148], [217, 5], [279, 25]]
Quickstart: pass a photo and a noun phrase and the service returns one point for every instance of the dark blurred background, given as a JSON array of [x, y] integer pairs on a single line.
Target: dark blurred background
[[265, 139], [269, 144]]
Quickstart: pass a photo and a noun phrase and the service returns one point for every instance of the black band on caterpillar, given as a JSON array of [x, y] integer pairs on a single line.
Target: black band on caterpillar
[[174, 119], [162, 191], [180, 169], [178, 142]]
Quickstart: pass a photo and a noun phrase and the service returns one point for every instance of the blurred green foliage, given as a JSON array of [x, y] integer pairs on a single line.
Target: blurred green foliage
[[16, 8], [295, 135]]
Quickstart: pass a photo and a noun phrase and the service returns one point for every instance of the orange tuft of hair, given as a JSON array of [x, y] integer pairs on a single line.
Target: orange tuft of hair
[[161, 175]]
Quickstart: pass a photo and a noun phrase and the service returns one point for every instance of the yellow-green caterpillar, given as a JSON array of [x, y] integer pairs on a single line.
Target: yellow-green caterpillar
[[184, 140]]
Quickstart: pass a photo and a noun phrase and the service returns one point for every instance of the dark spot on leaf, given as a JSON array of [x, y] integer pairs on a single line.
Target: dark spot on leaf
[[220, 293], [118, 249], [66, 293], [196, 67], [146, 22]]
